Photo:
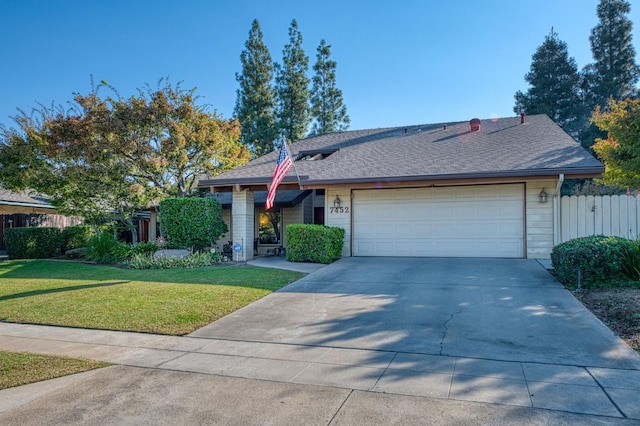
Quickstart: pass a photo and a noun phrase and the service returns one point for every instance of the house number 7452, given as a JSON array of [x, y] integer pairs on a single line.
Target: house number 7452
[[338, 209]]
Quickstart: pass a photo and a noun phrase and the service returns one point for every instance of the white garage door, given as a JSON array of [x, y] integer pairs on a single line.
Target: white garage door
[[463, 221]]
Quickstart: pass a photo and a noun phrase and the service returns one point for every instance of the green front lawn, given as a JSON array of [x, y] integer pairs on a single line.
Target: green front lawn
[[168, 301], [17, 369]]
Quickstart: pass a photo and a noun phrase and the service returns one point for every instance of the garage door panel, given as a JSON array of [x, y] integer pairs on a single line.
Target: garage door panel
[[479, 221]]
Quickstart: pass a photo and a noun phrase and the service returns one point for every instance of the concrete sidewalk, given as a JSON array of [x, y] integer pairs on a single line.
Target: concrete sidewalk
[[335, 385]]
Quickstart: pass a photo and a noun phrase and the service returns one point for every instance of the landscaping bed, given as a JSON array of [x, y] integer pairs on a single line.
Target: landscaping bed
[[603, 272], [618, 308]]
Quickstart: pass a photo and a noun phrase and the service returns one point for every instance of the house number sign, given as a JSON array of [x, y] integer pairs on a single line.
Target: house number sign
[[338, 209]]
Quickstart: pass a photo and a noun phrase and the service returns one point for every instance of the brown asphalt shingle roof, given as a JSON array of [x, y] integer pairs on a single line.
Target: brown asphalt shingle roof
[[502, 147], [23, 198]]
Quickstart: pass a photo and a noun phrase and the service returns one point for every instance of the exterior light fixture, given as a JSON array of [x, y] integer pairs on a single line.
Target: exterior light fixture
[[543, 196], [336, 202]]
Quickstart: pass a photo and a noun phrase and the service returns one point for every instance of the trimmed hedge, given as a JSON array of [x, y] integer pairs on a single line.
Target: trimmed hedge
[[598, 258], [191, 223], [314, 243], [74, 237], [33, 243]]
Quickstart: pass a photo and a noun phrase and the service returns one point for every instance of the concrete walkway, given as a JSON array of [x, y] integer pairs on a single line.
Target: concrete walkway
[[279, 262], [286, 377]]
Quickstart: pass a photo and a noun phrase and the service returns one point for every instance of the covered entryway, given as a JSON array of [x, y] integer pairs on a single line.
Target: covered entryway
[[456, 221]]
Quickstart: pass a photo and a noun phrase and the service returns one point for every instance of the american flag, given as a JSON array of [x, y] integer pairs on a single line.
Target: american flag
[[282, 167]]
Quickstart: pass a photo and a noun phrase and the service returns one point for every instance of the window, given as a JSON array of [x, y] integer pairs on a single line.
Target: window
[[270, 227]]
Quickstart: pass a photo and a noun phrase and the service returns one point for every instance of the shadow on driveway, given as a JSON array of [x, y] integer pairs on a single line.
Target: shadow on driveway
[[497, 309]]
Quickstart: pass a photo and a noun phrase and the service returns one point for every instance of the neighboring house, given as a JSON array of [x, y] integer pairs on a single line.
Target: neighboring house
[[484, 188], [23, 209]]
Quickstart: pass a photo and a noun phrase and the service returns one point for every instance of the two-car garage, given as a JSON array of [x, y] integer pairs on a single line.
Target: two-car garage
[[455, 221]]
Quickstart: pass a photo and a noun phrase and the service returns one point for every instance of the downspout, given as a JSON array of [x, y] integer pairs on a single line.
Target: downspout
[[557, 214]]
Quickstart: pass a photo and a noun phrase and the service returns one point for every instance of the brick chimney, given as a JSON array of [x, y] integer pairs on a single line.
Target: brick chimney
[[475, 124]]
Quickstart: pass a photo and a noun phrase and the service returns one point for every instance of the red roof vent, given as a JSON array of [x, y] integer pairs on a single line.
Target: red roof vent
[[475, 124]]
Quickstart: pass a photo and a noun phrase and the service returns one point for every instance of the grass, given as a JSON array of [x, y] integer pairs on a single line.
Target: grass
[[174, 301], [17, 369]]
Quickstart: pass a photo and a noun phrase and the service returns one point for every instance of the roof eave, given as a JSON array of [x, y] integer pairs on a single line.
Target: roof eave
[[32, 205], [568, 172], [583, 172], [258, 180]]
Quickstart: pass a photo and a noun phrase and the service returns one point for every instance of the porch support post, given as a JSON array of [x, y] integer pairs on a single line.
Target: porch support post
[[153, 224], [242, 222]]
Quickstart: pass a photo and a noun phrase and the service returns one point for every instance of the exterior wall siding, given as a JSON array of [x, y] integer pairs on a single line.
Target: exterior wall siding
[[290, 216], [340, 218], [539, 219]]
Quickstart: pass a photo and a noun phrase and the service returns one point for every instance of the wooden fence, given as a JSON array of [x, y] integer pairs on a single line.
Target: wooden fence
[[617, 215]]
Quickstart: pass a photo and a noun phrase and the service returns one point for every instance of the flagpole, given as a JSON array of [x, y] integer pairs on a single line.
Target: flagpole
[[284, 141]]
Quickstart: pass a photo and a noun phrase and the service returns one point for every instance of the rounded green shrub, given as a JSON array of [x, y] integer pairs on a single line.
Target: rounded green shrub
[[314, 243], [191, 223], [596, 261], [33, 243]]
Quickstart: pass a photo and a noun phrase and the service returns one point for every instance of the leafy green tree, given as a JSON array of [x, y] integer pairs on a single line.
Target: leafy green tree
[[327, 106], [614, 72], [292, 87], [117, 155], [168, 141], [555, 86], [620, 151], [62, 155], [255, 101]]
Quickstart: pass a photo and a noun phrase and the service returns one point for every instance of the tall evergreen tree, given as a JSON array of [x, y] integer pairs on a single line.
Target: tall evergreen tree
[[614, 72], [327, 106], [292, 87], [555, 86], [255, 101]]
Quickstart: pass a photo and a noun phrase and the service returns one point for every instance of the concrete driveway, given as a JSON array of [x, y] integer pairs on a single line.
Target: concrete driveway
[[497, 309]]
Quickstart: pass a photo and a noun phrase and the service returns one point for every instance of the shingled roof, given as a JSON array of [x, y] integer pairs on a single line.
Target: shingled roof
[[502, 148], [23, 198]]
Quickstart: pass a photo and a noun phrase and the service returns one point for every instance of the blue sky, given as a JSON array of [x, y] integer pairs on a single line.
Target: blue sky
[[399, 63]]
